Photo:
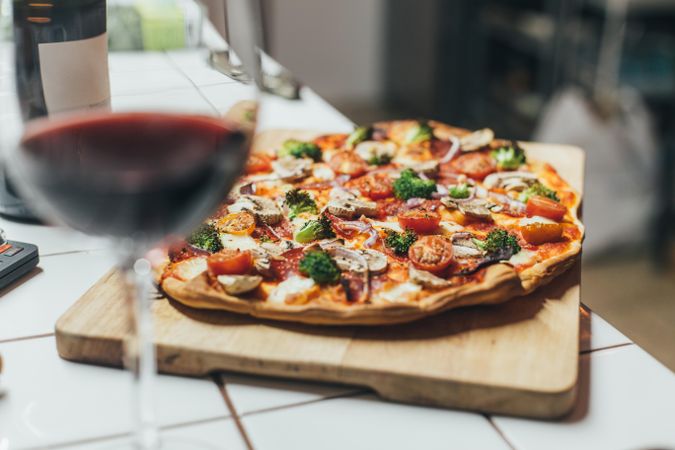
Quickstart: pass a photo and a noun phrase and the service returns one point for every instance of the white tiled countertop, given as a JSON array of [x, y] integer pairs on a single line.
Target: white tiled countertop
[[627, 399]]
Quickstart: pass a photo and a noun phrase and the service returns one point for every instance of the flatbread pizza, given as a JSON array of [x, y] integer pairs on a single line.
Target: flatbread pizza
[[391, 223]]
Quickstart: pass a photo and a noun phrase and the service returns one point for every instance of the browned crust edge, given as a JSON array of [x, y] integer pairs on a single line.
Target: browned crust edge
[[500, 284]]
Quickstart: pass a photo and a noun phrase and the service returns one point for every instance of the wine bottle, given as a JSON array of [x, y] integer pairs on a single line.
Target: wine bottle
[[61, 55], [61, 62]]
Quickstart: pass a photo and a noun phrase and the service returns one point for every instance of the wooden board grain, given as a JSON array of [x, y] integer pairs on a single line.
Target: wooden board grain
[[517, 358]]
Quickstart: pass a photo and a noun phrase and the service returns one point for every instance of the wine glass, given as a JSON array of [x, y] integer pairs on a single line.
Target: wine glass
[[133, 167]]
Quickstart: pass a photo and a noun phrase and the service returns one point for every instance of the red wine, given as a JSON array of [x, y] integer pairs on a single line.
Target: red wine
[[61, 64], [127, 174]]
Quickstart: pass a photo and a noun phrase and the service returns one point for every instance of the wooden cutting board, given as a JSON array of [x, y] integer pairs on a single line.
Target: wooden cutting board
[[518, 358]]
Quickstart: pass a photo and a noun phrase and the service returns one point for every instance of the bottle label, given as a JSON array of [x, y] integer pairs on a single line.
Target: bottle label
[[75, 74]]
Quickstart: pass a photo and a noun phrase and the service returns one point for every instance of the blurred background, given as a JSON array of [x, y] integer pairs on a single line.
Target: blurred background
[[599, 74]]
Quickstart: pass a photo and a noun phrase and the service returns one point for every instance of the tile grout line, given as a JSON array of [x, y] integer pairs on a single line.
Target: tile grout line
[[73, 252], [307, 402], [609, 347], [187, 77], [499, 431], [26, 338], [233, 412], [108, 437]]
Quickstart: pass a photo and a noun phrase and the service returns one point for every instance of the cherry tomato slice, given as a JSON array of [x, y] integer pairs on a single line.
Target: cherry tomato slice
[[376, 186], [476, 165], [422, 221], [431, 253], [331, 141], [348, 163], [230, 262], [241, 223], [258, 162], [540, 233], [545, 207]]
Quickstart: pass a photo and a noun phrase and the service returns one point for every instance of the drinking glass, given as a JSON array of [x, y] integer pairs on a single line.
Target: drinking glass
[[134, 146]]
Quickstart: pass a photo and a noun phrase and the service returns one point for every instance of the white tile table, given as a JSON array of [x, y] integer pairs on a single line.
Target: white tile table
[[627, 401]]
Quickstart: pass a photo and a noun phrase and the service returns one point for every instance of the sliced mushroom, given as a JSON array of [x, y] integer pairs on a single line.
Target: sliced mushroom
[[351, 208], [239, 284], [449, 203], [340, 193], [275, 249], [323, 171], [428, 168], [377, 261], [510, 181], [426, 279], [463, 246], [244, 187], [368, 150], [476, 140], [262, 261], [348, 260], [473, 207], [265, 209], [289, 168], [477, 208]]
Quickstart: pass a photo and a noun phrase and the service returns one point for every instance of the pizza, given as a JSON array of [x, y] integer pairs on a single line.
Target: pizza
[[391, 223]]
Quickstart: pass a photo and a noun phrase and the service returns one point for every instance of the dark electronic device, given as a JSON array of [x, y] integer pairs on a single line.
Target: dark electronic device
[[16, 260]]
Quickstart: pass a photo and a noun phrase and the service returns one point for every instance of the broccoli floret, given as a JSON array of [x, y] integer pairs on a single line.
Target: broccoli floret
[[299, 149], [400, 242], [320, 267], [538, 189], [380, 160], [459, 191], [206, 238], [499, 241], [421, 133], [315, 229], [410, 185], [360, 134], [298, 202], [509, 157]]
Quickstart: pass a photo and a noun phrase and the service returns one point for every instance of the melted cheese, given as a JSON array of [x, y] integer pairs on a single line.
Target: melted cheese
[[449, 228], [238, 242], [261, 176], [535, 219], [523, 257], [323, 172], [407, 160], [399, 293], [190, 268], [292, 287], [387, 225], [369, 149], [328, 154]]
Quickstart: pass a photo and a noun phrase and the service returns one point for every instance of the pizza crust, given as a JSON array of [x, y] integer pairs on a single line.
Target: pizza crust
[[501, 282]]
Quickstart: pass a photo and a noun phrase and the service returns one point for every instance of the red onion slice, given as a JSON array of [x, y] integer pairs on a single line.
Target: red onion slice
[[355, 225], [513, 206], [340, 180], [452, 151], [372, 238], [271, 230]]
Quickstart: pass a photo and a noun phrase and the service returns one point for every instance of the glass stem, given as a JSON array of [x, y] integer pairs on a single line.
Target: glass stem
[[140, 352]]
